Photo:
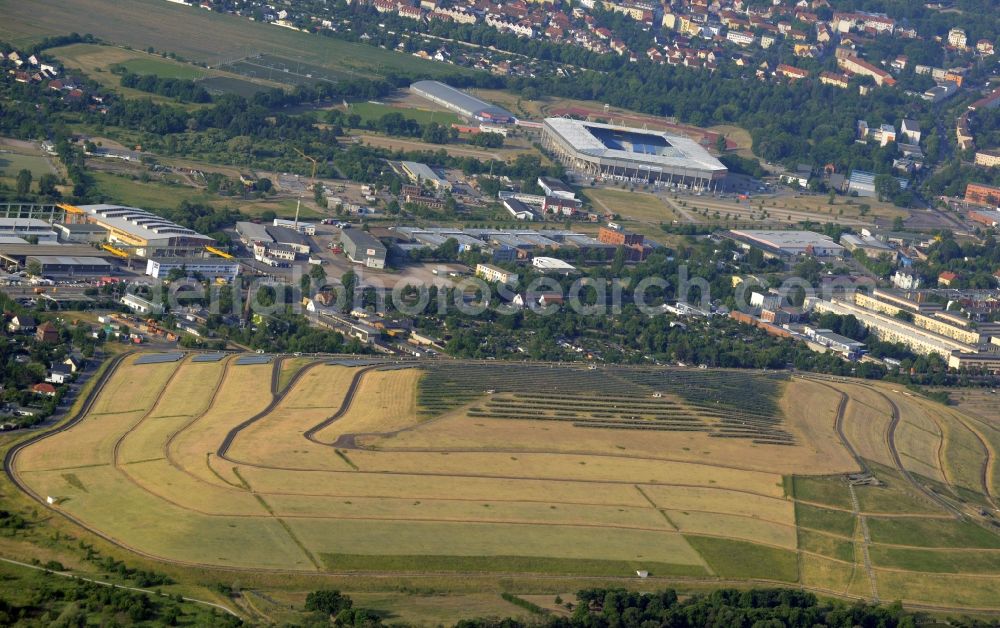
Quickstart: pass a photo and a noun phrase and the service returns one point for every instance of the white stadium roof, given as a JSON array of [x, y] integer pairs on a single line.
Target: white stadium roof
[[680, 152]]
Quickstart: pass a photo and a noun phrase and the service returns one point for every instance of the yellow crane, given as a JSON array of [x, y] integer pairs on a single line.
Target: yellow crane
[[313, 177], [219, 252], [115, 251]]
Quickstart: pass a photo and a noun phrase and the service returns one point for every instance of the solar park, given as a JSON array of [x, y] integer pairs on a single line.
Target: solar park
[[272, 464]]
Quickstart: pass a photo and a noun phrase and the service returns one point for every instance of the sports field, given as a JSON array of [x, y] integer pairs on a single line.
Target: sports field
[[526, 470]]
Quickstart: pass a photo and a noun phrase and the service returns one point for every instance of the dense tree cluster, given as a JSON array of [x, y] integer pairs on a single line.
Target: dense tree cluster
[[760, 608], [184, 90]]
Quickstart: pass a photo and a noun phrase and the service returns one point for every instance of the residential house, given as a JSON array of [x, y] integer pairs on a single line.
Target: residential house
[[911, 131], [59, 374], [947, 278], [835, 79], [44, 388], [905, 280], [957, 38], [21, 323], [47, 333], [790, 72], [74, 362]]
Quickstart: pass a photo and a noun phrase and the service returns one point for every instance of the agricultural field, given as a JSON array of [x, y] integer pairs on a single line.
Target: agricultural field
[[339, 467], [97, 61], [198, 35]]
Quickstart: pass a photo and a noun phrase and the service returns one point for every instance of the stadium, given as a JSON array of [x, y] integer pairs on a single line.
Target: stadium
[[461, 103], [626, 154]]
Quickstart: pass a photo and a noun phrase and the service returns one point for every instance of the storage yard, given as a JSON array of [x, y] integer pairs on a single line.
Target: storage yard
[[369, 465]]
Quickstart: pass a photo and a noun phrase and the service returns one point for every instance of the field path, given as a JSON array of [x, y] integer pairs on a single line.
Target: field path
[[891, 443]]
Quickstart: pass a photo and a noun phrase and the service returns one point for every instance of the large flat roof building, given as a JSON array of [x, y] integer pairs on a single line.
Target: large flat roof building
[[628, 154], [982, 194], [423, 173], [251, 232], [891, 329], [70, 265], [145, 233], [460, 102], [28, 228], [789, 243]]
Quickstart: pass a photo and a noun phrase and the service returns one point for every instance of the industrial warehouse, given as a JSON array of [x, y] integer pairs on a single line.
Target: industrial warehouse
[[144, 234], [626, 154], [84, 241], [461, 103]]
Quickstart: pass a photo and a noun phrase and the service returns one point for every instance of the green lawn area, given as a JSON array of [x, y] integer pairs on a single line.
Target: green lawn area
[[825, 520], [936, 561], [504, 564], [12, 163], [151, 195], [374, 111], [822, 490], [636, 206], [738, 559], [931, 533], [826, 545], [163, 68]]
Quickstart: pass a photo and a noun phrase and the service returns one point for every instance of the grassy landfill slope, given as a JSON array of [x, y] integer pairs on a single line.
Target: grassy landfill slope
[[193, 33], [386, 486]]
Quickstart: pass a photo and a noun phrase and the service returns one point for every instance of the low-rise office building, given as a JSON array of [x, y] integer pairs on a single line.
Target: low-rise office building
[[305, 228], [495, 274], [160, 267], [362, 248], [139, 305]]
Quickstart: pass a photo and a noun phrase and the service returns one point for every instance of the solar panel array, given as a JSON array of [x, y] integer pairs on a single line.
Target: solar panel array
[[158, 358], [253, 359], [358, 362], [208, 357]]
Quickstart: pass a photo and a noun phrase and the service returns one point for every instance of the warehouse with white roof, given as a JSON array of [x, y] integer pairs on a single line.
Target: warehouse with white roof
[[144, 233], [460, 102]]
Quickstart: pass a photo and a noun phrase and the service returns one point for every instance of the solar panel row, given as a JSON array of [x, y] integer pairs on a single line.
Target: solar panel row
[[208, 357], [158, 358], [253, 359]]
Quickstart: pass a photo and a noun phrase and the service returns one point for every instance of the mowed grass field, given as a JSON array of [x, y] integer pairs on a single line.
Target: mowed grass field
[[312, 467], [196, 34], [17, 155], [374, 111], [631, 206]]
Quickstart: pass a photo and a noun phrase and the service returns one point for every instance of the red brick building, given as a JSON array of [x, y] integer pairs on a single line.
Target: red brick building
[[634, 243], [619, 238], [982, 194]]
